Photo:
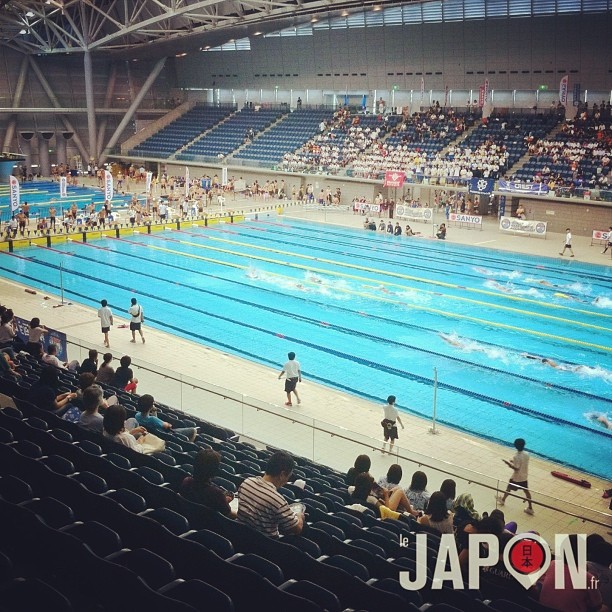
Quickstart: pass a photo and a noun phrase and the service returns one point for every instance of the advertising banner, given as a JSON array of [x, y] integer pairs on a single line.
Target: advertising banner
[[563, 84], [14, 191], [63, 185], [108, 185], [394, 179], [22, 328], [481, 186], [519, 187], [407, 212], [461, 218], [522, 226]]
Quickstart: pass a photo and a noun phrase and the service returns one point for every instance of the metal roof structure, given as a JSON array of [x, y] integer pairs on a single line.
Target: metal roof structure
[[156, 28]]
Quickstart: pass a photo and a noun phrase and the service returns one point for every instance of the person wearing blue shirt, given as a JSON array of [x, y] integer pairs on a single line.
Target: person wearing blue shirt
[[146, 417]]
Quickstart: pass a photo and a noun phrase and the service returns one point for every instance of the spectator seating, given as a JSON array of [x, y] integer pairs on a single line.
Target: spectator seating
[[223, 139], [577, 157], [164, 551], [181, 131], [291, 133], [75, 518]]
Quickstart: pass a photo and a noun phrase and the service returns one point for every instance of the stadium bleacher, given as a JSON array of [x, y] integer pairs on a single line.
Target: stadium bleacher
[[223, 139], [84, 512], [181, 131], [291, 133]]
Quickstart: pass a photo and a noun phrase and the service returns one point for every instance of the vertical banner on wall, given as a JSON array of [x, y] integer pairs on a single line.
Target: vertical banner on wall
[[108, 185], [63, 187], [422, 89], [224, 180], [481, 96], [15, 194], [502, 206], [148, 178], [563, 84], [486, 91], [577, 92], [446, 96], [186, 182]]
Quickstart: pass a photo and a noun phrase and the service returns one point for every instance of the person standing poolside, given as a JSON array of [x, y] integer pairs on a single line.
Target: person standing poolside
[[105, 315], [609, 242], [389, 423], [519, 478], [293, 374], [137, 314], [568, 243]]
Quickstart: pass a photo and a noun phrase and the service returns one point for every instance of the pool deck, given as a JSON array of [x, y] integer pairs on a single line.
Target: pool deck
[[342, 409]]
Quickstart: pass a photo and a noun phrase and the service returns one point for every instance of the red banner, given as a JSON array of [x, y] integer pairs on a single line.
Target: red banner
[[394, 179], [481, 96]]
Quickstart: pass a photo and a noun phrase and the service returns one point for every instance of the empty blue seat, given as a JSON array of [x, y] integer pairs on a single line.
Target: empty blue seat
[[324, 598], [171, 520], [102, 540], [129, 500], [53, 512], [262, 566], [153, 569], [213, 541], [14, 489], [198, 593], [348, 565]]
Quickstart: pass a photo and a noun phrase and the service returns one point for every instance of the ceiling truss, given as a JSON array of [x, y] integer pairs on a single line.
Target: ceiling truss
[[152, 27]]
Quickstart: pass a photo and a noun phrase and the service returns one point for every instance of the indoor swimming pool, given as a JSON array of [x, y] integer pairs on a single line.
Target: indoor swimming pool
[[522, 345]]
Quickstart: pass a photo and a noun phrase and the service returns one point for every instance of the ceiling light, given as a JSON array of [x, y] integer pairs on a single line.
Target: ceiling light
[[314, 20], [345, 14], [376, 8], [23, 31], [257, 34], [29, 14]]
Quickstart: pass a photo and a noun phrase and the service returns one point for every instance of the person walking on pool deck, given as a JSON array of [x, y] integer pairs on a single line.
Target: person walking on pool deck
[[609, 242], [518, 480], [568, 243], [293, 375], [106, 320], [389, 423], [137, 315]]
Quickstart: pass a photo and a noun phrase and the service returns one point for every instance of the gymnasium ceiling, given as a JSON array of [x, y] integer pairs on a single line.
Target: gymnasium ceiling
[[148, 29]]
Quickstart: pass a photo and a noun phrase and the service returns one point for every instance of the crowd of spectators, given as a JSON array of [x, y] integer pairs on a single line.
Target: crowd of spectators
[[446, 512], [262, 497], [578, 156]]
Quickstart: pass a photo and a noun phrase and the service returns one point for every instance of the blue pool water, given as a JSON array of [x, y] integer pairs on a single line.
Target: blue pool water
[[41, 195], [374, 315]]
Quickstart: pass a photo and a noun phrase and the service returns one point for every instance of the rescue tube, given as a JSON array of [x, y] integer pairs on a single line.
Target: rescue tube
[[582, 483]]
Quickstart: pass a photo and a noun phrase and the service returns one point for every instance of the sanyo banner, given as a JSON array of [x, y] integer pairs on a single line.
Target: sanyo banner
[[465, 219], [526, 557]]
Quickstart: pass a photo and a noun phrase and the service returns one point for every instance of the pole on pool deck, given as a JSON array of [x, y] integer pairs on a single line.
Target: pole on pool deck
[[62, 280], [432, 429]]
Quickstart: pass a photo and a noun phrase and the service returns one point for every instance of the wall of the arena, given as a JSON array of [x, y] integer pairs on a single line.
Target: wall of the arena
[[513, 54], [581, 217], [65, 75], [350, 189]]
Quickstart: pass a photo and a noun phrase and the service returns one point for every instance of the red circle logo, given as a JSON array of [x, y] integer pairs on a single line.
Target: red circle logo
[[527, 556]]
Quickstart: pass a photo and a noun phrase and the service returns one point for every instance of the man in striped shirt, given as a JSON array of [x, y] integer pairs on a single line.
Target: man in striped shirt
[[262, 507]]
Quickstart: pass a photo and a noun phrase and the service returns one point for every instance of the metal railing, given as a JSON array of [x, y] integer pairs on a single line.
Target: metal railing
[[324, 442]]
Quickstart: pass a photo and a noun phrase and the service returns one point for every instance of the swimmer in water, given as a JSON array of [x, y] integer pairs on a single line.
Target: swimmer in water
[[452, 341], [601, 419], [546, 360]]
